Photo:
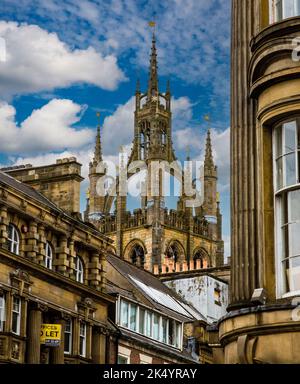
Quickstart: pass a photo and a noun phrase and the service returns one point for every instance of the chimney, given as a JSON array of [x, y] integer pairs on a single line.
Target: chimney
[[59, 182]]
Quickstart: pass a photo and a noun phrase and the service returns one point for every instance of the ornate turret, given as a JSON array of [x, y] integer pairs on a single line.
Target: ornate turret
[[96, 199], [152, 139]]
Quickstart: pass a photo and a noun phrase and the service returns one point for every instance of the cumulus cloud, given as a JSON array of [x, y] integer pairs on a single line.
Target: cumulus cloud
[[37, 60], [121, 27], [46, 129]]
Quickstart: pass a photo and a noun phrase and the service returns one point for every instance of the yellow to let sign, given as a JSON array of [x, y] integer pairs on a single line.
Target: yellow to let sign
[[50, 334]]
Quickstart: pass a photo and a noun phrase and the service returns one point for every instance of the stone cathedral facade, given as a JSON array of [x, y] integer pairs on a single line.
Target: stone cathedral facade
[[152, 236]]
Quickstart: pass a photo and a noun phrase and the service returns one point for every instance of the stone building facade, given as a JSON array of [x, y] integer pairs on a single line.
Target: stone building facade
[[52, 271], [153, 236], [263, 325]]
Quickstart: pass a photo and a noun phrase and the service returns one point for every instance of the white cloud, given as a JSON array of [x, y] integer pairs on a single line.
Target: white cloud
[[46, 129], [37, 60], [118, 128], [227, 250], [193, 37], [192, 138]]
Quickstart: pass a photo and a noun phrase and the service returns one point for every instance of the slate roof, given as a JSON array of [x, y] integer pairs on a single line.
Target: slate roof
[[130, 271], [26, 190]]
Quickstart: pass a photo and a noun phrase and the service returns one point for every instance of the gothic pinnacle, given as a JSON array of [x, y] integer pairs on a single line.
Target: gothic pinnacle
[[153, 79], [98, 151]]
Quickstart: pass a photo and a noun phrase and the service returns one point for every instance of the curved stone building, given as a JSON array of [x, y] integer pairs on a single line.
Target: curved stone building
[[263, 324]]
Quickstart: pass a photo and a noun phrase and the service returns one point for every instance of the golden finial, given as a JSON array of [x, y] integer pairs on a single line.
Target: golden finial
[[98, 116], [218, 197], [207, 117], [152, 24]]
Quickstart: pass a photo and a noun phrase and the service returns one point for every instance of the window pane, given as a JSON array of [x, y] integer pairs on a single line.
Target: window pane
[[290, 169], [133, 312], [178, 335], [122, 360], [2, 313], [171, 332], [164, 330], [124, 314], [293, 274], [294, 239], [68, 337], [278, 9], [290, 136], [279, 173], [278, 142], [148, 324], [142, 321], [294, 206], [155, 326]]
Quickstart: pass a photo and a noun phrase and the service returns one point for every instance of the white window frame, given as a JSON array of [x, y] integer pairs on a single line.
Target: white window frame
[[79, 270], [48, 255], [82, 336], [274, 5], [14, 240], [279, 205], [18, 313], [2, 311], [70, 333]]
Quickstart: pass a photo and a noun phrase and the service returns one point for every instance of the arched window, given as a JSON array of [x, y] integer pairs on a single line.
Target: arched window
[[203, 257], [175, 252], [172, 253], [48, 256], [79, 270], [137, 255], [13, 239]]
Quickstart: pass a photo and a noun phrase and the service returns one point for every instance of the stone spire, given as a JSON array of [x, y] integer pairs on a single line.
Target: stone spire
[[98, 151], [153, 78], [209, 160]]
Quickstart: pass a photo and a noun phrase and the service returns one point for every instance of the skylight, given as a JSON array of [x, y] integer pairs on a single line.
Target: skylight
[[161, 298]]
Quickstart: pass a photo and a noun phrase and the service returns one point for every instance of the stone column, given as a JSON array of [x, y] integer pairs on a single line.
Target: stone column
[[61, 262], [31, 248], [58, 356], [3, 226], [34, 330], [41, 245], [245, 249], [98, 346]]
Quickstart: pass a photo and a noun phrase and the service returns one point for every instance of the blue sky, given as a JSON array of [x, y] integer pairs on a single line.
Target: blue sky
[[66, 60]]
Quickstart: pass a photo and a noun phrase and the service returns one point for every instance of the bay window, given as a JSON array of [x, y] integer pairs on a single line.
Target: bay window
[[287, 206], [2, 312], [283, 9]]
